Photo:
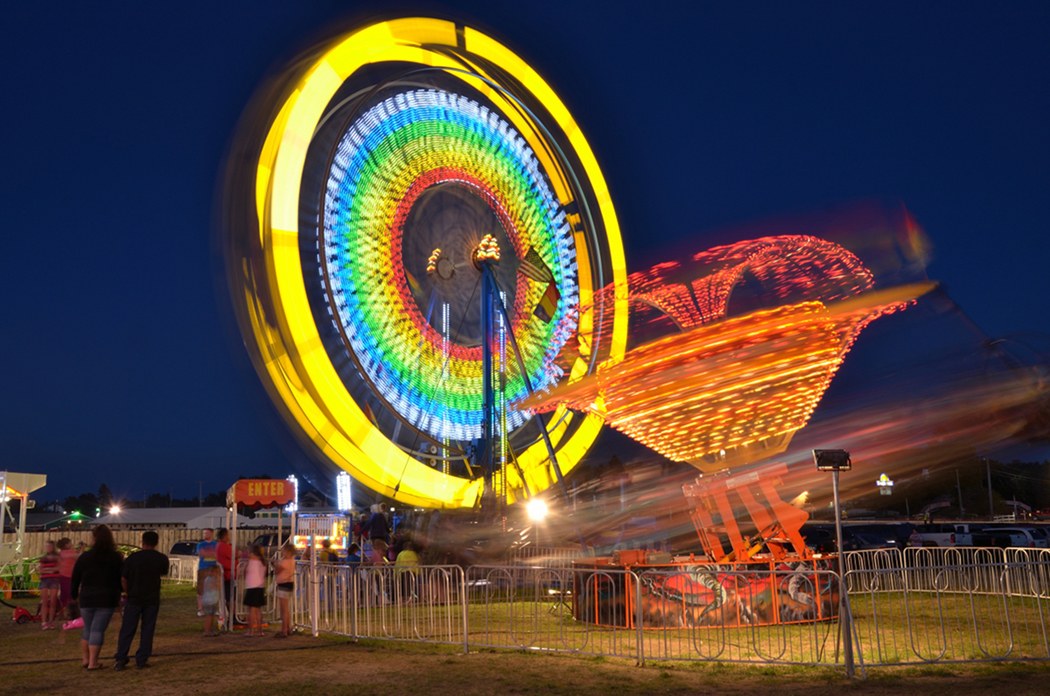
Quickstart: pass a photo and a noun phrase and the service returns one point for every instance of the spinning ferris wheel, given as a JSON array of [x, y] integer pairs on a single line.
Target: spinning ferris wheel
[[413, 221]]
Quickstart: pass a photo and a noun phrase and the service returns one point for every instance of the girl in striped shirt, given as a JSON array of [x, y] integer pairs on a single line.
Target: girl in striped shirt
[[49, 585]]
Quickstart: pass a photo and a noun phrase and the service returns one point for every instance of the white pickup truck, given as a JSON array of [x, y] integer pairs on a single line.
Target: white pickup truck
[[943, 534]]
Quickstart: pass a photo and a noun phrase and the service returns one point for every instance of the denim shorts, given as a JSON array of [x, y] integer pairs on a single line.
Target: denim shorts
[[50, 583]]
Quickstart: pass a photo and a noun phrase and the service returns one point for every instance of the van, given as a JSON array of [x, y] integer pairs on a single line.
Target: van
[[941, 534]]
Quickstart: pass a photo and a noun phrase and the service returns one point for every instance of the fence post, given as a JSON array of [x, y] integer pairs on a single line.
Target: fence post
[[638, 617], [465, 605], [315, 595], [847, 629], [354, 590]]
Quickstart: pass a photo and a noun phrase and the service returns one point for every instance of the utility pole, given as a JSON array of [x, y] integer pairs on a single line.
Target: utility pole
[[991, 506], [958, 484]]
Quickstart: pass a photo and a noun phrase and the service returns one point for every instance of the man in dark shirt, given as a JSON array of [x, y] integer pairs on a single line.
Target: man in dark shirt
[[141, 580], [378, 527]]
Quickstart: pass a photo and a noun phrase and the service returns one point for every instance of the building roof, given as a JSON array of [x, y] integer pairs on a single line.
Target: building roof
[[190, 517]]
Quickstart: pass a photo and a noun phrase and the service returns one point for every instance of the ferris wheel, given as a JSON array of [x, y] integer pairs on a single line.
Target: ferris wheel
[[413, 222]]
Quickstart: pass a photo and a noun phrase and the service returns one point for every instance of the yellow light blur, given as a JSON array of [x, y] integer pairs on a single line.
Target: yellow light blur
[[299, 374]]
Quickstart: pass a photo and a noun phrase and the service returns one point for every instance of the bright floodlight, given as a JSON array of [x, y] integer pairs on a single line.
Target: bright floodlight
[[115, 510], [537, 509]]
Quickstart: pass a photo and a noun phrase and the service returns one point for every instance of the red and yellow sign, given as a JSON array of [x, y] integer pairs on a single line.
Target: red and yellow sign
[[263, 493]]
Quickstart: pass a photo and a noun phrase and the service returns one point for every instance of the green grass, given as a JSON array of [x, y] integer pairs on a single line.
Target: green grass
[[35, 662], [893, 628]]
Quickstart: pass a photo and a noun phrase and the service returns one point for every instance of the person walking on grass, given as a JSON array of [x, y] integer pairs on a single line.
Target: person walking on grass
[[285, 579], [141, 580], [207, 552], [96, 584], [255, 590], [211, 598]]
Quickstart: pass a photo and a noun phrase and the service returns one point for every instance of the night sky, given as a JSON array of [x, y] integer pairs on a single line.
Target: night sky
[[117, 366]]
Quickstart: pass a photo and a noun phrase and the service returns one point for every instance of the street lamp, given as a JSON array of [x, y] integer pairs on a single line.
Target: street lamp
[[537, 509], [836, 461]]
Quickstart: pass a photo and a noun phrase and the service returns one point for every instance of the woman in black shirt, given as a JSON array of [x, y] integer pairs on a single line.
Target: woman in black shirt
[[96, 583]]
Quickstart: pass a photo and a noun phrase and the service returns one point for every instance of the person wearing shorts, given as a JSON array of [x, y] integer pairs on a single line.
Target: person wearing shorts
[[49, 585], [255, 590], [67, 559], [211, 596], [285, 579], [207, 555]]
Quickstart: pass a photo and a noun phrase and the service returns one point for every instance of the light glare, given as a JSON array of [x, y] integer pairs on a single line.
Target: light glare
[[537, 509]]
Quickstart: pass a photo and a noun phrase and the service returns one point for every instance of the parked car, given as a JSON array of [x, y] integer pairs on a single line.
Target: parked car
[[187, 547], [1025, 537], [999, 537], [269, 543], [942, 534], [825, 540], [869, 542], [896, 535]]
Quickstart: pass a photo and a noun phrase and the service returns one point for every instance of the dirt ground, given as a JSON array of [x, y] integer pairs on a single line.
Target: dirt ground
[[184, 662]]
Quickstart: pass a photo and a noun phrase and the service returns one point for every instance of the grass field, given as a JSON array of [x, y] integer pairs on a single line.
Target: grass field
[[47, 662]]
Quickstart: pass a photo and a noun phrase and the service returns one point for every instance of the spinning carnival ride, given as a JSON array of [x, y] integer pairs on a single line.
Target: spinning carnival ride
[[412, 219], [428, 273]]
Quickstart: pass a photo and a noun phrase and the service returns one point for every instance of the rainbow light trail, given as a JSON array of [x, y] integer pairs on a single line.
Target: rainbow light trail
[[385, 161]]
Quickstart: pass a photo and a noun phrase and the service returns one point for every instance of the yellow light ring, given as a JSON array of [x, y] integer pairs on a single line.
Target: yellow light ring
[[272, 298]]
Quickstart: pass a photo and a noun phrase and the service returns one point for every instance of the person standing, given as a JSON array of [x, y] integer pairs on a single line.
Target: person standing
[[67, 559], [255, 590], [206, 561], [50, 585], [407, 570], [285, 580], [353, 556], [96, 584], [378, 526], [327, 555], [224, 557], [140, 578]]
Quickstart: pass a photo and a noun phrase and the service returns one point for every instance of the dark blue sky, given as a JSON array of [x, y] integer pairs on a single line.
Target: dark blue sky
[[115, 117]]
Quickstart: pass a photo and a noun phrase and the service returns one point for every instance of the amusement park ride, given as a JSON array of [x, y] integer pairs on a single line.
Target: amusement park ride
[[427, 271]]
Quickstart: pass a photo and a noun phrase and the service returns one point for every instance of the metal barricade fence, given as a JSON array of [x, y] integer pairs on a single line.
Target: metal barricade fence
[[182, 570], [1029, 571], [545, 556], [948, 613], [270, 610], [877, 559], [902, 614], [426, 603], [535, 608], [756, 616], [916, 569], [983, 566]]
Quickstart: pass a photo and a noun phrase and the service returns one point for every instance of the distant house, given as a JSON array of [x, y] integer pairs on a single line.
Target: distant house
[[174, 518], [42, 521], [271, 515], [313, 499]]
